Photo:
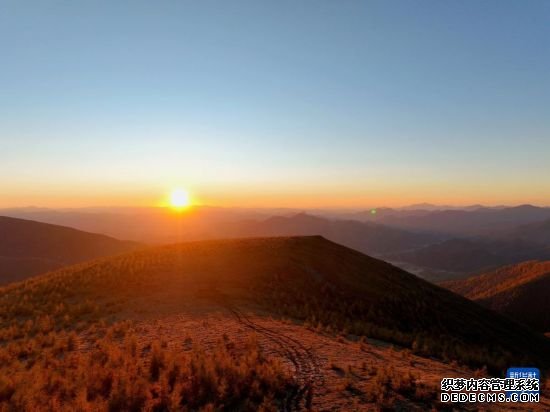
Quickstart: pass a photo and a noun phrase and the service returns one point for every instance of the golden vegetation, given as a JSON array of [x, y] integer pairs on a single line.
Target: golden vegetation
[[518, 291], [498, 281], [327, 309], [108, 369], [57, 348], [386, 383], [58, 352]]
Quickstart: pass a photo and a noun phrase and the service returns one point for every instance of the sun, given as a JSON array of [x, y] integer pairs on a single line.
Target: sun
[[179, 198]]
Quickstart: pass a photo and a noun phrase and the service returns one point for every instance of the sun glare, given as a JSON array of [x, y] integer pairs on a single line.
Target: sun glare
[[179, 199]]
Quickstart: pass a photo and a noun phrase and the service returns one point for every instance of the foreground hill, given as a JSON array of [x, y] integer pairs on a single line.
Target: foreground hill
[[519, 291], [28, 248], [179, 316]]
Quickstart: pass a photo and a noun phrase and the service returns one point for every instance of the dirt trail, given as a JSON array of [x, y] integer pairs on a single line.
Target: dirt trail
[[332, 373], [306, 364]]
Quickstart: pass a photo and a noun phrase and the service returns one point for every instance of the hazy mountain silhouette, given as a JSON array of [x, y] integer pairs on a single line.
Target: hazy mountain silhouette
[[478, 221], [472, 255], [366, 237], [159, 225], [538, 232]]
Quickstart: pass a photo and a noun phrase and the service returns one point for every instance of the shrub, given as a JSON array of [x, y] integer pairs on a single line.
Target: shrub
[[113, 376]]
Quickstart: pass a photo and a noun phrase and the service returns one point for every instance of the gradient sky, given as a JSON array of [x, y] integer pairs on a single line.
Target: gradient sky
[[282, 103]]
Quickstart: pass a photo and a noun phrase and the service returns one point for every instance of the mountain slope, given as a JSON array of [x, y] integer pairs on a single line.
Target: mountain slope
[[308, 278], [198, 326], [519, 291], [28, 248]]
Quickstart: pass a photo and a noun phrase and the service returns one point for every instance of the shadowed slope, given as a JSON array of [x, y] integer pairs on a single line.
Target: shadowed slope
[[519, 291], [28, 248]]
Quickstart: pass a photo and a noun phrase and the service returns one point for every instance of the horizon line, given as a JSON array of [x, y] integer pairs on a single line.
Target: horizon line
[[418, 206]]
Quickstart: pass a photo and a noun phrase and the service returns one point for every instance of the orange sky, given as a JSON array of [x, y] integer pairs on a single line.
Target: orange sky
[[306, 196]]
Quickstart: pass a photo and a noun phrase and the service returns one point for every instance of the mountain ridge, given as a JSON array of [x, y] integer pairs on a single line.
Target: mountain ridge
[[28, 248]]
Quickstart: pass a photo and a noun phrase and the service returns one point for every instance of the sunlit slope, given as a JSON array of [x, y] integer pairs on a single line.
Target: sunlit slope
[[520, 291], [307, 278], [28, 248]]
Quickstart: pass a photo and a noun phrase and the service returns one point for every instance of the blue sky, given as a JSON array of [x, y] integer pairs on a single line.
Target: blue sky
[[309, 103]]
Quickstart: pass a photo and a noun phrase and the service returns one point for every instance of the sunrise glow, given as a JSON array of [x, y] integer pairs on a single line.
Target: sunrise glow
[[179, 199]]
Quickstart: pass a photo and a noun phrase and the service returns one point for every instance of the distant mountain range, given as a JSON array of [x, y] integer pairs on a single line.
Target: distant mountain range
[[28, 248], [459, 255], [519, 291], [437, 242], [158, 225], [365, 237], [482, 221], [538, 232]]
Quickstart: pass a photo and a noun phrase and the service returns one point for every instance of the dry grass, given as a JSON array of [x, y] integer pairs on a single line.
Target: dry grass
[[52, 372], [62, 344]]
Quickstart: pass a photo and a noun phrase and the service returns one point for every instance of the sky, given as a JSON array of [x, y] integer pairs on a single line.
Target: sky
[[283, 103]]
